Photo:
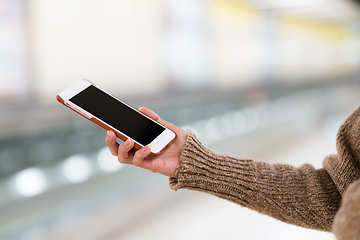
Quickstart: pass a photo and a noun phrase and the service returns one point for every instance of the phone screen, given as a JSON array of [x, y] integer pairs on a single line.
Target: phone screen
[[117, 115]]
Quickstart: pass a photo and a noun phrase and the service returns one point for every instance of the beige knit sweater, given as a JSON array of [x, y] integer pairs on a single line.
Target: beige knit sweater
[[302, 196]]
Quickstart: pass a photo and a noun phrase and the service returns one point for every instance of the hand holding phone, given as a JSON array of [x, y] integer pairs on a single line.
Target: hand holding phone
[[166, 163]]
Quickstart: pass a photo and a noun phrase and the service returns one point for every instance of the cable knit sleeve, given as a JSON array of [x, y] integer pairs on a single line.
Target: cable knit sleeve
[[302, 196]]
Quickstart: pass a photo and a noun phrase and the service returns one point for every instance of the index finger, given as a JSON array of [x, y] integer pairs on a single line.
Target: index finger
[[111, 143]]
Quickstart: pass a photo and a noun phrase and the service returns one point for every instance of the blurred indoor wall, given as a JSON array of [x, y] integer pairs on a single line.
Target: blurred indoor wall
[[146, 46]]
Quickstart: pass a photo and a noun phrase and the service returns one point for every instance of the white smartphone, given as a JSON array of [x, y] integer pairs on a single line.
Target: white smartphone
[[111, 113]]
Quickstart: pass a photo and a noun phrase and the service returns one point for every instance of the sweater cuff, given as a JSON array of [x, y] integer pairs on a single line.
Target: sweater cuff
[[203, 170], [176, 182]]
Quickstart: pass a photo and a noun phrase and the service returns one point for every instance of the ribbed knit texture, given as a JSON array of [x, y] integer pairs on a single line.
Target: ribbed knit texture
[[302, 196], [344, 168], [346, 225]]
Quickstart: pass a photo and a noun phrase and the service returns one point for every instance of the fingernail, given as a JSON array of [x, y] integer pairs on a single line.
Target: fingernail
[[146, 148], [127, 142], [108, 136]]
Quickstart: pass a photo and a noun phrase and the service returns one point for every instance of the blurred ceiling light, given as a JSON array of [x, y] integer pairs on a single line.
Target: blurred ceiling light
[[107, 162], [30, 182], [199, 128], [239, 122], [77, 168], [263, 114], [213, 130], [265, 4], [226, 124], [252, 118]]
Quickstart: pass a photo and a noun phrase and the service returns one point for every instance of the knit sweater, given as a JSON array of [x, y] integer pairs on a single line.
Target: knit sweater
[[303, 196]]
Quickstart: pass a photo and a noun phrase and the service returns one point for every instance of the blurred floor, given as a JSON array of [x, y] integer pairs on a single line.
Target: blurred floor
[[193, 215]]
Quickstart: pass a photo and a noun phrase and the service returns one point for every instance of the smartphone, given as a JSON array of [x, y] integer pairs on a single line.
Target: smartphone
[[111, 113]]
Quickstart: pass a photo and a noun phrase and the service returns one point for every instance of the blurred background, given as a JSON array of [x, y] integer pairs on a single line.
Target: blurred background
[[266, 79]]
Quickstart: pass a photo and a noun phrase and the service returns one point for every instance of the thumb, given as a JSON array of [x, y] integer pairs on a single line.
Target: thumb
[[157, 118], [150, 114]]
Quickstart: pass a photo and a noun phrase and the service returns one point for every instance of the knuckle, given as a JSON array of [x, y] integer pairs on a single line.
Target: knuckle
[[137, 160], [121, 160], [136, 163]]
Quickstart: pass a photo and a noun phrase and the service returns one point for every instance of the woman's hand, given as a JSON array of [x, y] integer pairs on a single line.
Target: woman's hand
[[166, 163]]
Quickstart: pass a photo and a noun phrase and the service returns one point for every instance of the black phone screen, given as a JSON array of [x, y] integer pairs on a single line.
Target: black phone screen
[[117, 115]]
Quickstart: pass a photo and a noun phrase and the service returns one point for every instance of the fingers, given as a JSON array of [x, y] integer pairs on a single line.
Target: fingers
[[111, 143], [140, 155], [127, 154], [123, 151]]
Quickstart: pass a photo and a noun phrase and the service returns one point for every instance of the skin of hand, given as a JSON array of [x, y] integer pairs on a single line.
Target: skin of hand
[[165, 164]]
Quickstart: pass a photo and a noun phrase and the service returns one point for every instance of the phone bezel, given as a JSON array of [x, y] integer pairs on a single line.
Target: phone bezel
[[157, 145]]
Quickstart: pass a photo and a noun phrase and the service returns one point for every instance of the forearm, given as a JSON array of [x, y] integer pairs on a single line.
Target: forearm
[[302, 196]]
